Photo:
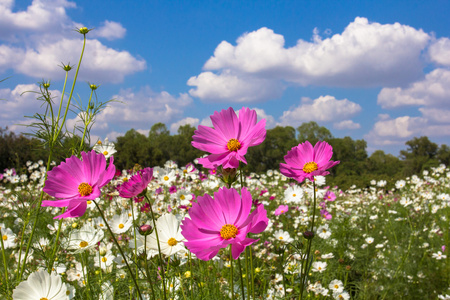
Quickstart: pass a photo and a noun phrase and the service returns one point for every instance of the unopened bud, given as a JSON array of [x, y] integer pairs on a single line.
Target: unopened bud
[[46, 85], [309, 235], [83, 30], [67, 68], [145, 229], [93, 87]]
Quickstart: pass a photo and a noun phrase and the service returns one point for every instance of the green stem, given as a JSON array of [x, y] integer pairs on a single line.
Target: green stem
[[159, 247], [135, 244], [231, 274], [120, 249], [71, 91], [22, 268], [52, 257], [4, 264], [88, 120], [253, 272], [190, 277], [146, 266], [242, 279], [62, 97], [246, 273], [307, 263]]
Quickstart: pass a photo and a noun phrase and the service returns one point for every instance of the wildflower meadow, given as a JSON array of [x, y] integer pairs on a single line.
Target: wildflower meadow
[[84, 229]]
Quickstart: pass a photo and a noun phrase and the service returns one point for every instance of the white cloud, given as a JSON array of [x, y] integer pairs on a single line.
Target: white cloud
[[439, 51], [110, 30], [140, 110], [20, 102], [42, 16], [433, 90], [100, 63], [436, 115], [270, 120], [365, 54], [346, 124], [229, 86], [323, 109], [42, 37], [191, 121]]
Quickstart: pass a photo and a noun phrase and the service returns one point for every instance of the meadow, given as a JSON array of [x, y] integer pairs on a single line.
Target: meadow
[[84, 229]]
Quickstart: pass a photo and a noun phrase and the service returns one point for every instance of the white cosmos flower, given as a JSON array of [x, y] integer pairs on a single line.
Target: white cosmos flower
[[324, 231], [8, 238], [283, 236], [169, 234], [41, 285], [83, 239], [106, 148], [293, 194], [319, 266], [336, 286], [439, 255], [121, 223]]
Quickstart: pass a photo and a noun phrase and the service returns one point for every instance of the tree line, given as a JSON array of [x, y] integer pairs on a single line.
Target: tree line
[[356, 166]]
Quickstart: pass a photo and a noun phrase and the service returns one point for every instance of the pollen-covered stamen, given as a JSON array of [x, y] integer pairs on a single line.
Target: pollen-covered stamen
[[84, 189], [5, 237], [43, 298], [121, 226], [310, 167], [105, 153], [172, 242], [166, 178], [83, 244], [228, 231], [104, 259], [233, 145]]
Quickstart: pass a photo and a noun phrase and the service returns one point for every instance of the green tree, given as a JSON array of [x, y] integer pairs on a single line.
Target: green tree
[[420, 155], [313, 133], [132, 148]]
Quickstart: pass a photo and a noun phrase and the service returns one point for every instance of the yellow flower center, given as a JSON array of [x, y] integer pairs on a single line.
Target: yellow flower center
[[121, 226], [88, 202], [228, 231], [172, 242], [105, 153], [233, 145], [280, 237], [84, 189], [83, 244], [99, 142], [310, 167], [5, 237], [336, 286], [104, 259], [125, 179], [294, 195], [182, 197], [166, 178], [43, 298]]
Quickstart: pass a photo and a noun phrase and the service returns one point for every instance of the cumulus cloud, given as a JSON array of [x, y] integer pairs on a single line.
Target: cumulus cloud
[[100, 63], [433, 90], [42, 37], [229, 86], [346, 124], [323, 109], [140, 110], [42, 16], [110, 30], [19, 102], [191, 121], [364, 54], [397, 131], [439, 52]]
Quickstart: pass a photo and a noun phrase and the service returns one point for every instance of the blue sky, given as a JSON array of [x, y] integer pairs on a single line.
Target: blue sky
[[372, 70]]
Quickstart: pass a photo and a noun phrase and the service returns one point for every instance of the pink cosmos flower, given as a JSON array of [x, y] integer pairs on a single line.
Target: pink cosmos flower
[[75, 181], [326, 214], [281, 210], [216, 223], [304, 161], [230, 138], [329, 196], [136, 184]]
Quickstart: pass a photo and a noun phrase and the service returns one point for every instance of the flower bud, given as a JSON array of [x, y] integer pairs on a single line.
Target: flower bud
[[67, 67], [83, 30], [229, 175], [145, 229], [93, 87], [46, 85], [309, 235]]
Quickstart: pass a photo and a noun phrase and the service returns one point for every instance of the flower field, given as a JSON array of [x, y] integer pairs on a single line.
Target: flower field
[[372, 243]]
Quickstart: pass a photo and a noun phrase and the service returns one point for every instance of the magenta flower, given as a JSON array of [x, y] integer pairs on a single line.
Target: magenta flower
[[136, 184], [325, 214], [304, 161], [329, 196], [75, 181], [225, 220], [281, 210], [230, 138]]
